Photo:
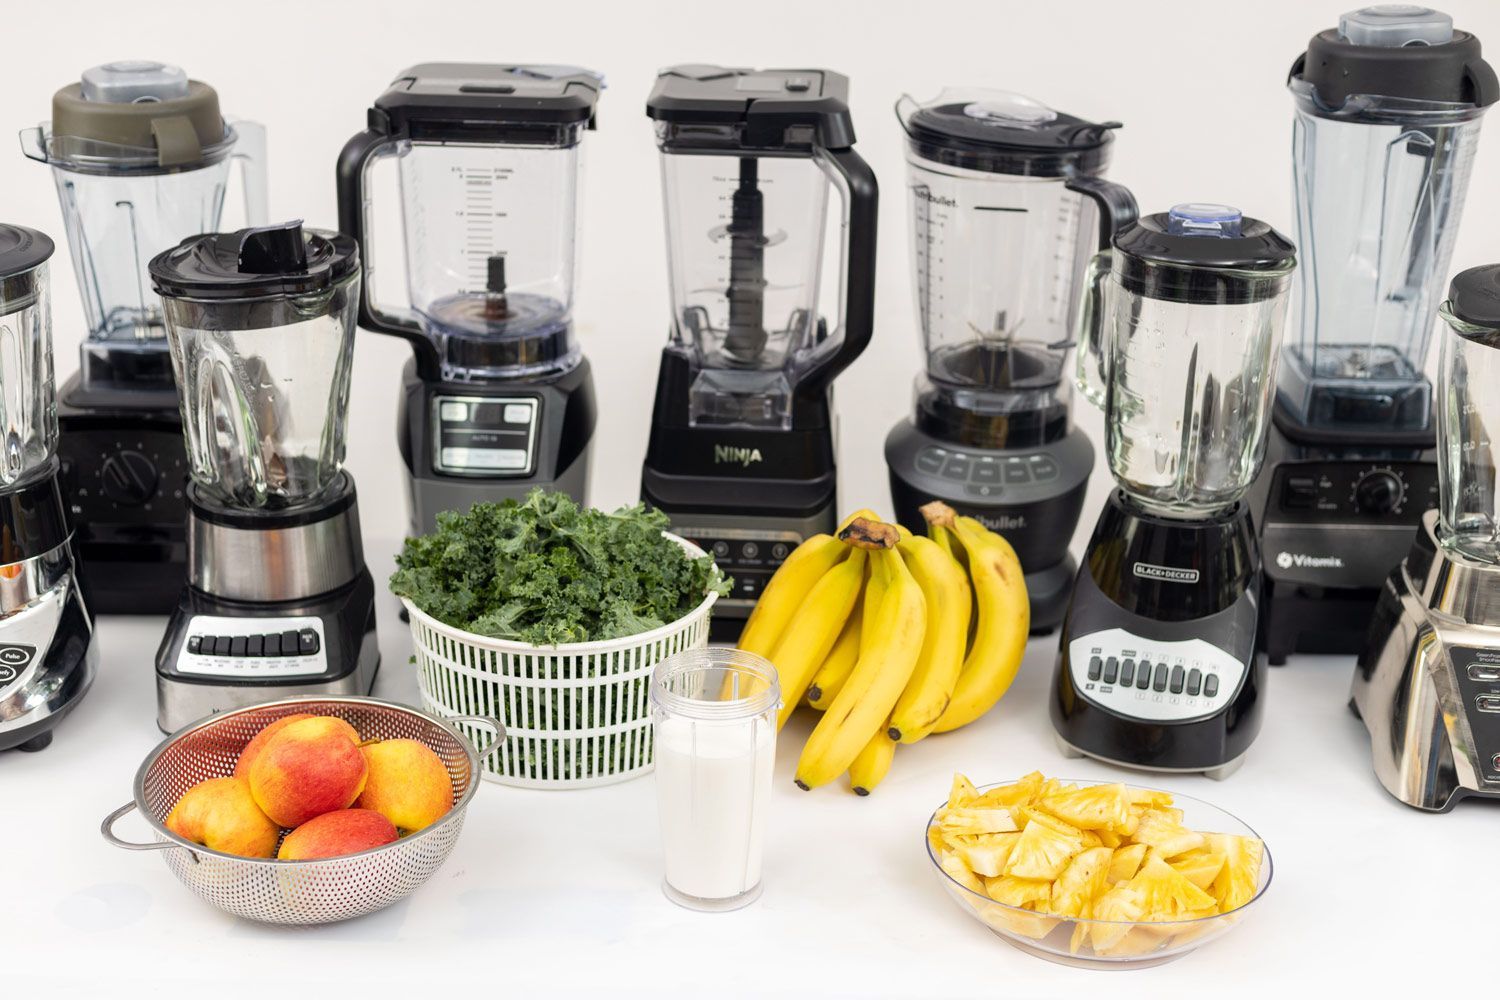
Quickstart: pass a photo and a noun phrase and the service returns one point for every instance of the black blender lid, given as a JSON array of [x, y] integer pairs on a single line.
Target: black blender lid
[[1002, 132], [1397, 50], [264, 262], [1201, 234], [483, 100], [767, 102], [1474, 295], [22, 250]]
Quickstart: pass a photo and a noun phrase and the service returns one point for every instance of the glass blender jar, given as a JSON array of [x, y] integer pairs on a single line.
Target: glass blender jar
[[47, 655], [1179, 333], [141, 158], [741, 453], [279, 601], [498, 399], [1387, 114], [1008, 202]]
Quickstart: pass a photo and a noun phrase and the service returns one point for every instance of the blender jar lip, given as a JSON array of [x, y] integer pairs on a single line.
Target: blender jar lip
[[709, 657], [79, 155], [207, 268]]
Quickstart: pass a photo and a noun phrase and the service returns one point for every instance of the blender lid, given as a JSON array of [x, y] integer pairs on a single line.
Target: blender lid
[[775, 107], [132, 110], [1397, 50], [1474, 295], [485, 101], [265, 262], [1006, 133], [1200, 234], [22, 250]]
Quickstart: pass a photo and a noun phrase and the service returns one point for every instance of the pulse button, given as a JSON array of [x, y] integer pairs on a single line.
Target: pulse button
[[1094, 666], [1111, 670]]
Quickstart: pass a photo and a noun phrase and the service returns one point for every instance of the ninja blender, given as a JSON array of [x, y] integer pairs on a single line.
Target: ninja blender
[[1006, 197], [741, 450], [279, 601], [1157, 666], [497, 399], [1428, 681], [47, 652], [141, 157], [1388, 110]]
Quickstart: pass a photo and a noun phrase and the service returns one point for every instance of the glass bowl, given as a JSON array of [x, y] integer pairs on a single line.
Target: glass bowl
[[1133, 944]]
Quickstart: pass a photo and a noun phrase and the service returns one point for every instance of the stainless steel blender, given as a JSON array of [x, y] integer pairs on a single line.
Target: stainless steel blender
[[498, 399], [741, 452], [47, 653], [1157, 666], [1008, 203], [1388, 109], [141, 156], [278, 601], [1428, 681]]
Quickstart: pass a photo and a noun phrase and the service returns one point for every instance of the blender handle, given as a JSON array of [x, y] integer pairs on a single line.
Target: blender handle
[[1092, 373], [858, 314], [354, 163], [1117, 208], [250, 154]]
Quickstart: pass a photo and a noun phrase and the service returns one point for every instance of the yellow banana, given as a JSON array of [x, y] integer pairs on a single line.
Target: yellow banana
[[872, 764], [1004, 621], [789, 587], [830, 677], [870, 610], [885, 664], [814, 629], [949, 601]]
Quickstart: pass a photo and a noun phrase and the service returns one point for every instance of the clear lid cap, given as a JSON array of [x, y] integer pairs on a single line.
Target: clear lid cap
[[1204, 219], [134, 81], [1395, 25]]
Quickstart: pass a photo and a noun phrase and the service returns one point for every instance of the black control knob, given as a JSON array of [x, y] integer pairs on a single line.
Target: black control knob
[[129, 479], [1378, 492]]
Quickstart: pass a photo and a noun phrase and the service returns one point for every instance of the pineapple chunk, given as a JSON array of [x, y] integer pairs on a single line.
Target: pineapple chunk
[[1100, 807], [1165, 832], [1018, 793], [1200, 867], [1074, 891], [1023, 922], [1126, 862], [1045, 848], [1148, 797], [1116, 908], [1022, 892], [955, 868], [1167, 894], [935, 842], [1109, 838], [987, 857], [1090, 839], [1236, 883], [969, 820], [962, 793]]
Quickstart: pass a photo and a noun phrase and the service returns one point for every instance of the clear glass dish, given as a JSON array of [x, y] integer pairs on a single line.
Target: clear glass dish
[[1136, 944]]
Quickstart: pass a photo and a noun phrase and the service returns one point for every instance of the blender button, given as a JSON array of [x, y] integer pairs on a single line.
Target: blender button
[[1143, 679], [986, 471], [750, 550], [1111, 670], [195, 644], [1043, 467], [289, 642], [1094, 665], [1488, 703], [255, 645], [779, 551], [930, 460], [453, 412], [981, 490], [237, 645], [957, 468], [307, 641], [1484, 672], [1177, 677], [1017, 472], [1195, 682], [1495, 762], [221, 645], [273, 644], [1127, 673], [1211, 686], [721, 549], [1159, 681]]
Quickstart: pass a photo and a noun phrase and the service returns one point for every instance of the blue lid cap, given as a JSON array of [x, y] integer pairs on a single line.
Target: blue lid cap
[[1193, 218]]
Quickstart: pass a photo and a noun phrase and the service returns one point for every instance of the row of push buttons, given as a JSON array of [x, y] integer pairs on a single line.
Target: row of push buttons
[[1143, 675], [986, 473], [288, 643]]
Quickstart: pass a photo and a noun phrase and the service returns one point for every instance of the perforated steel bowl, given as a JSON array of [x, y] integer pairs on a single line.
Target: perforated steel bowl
[[301, 892]]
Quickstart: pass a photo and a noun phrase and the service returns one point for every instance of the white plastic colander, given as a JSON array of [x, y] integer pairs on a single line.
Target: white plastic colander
[[576, 715]]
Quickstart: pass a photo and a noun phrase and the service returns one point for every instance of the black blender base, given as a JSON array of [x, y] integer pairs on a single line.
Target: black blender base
[[1317, 620]]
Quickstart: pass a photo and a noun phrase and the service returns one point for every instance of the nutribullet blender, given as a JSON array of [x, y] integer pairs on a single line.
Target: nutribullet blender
[[1428, 681], [741, 453], [1388, 108], [1008, 203], [141, 157], [1157, 666], [497, 399], [47, 652], [279, 601]]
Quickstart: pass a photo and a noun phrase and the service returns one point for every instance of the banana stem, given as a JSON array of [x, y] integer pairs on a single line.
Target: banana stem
[[865, 533], [938, 513]]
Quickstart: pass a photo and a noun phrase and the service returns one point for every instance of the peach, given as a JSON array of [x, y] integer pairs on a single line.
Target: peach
[[309, 768], [259, 740], [407, 784], [221, 814], [333, 834]]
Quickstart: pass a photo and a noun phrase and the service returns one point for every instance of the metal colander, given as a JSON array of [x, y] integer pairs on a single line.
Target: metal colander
[[301, 892]]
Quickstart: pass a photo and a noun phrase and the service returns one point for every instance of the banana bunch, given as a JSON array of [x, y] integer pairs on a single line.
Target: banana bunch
[[892, 636]]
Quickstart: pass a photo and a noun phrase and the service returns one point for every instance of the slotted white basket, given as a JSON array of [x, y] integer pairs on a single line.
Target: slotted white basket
[[576, 715]]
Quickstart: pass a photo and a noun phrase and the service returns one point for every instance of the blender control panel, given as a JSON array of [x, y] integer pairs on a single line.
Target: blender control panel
[[485, 435], [986, 475], [750, 556], [253, 648], [15, 657], [1366, 492], [1477, 671], [1153, 680]]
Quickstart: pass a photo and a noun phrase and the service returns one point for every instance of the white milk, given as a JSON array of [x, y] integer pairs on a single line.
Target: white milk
[[713, 783]]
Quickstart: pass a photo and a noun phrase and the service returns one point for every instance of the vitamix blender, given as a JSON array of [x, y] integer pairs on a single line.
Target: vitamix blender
[[1006, 197], [497, 399], [741, 453], [141, 157], [1388, 109], [1157, 667]]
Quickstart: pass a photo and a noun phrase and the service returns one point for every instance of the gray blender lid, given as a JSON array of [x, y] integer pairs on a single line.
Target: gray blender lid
[[1199, 252], [282, 261], [1474, 295], [1007, 133], [135, 106], [22, 250]]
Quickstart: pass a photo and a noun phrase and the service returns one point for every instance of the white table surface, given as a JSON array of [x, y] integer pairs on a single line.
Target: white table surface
[[553, 893]]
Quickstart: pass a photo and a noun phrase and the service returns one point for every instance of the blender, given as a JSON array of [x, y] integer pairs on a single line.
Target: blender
[[1428, 681], [141, 157], [1006, 197], [741, 449], [497, 399], [278, 600], [1157, 666], [1388, 109], [47, 652]]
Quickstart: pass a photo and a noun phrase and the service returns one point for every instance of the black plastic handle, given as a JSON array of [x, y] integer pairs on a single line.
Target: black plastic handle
[[859, 275], [353, 161], [1117, 207]]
